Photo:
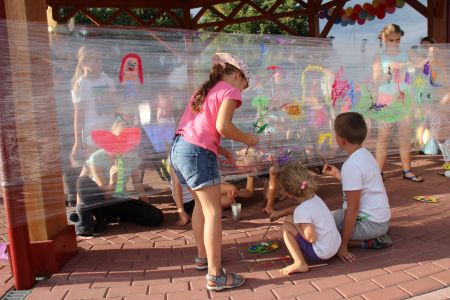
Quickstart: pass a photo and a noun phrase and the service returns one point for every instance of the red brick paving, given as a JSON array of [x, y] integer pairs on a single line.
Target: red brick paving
[[132, 262]]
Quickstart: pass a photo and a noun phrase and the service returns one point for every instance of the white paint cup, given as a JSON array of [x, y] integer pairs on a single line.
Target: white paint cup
[[236, 211]]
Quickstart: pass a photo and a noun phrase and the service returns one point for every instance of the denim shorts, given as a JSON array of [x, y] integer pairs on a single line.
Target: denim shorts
[[195, 166]]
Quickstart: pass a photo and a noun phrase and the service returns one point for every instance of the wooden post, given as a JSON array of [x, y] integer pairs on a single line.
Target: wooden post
[[53, 241], [313, 19], [438, 20], [12, 183]]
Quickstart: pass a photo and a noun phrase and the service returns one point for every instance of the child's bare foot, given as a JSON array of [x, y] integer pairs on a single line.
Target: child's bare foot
[[294, 268]]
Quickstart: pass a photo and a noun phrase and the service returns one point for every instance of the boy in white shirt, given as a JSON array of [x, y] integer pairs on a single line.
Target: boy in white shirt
[[364, 218]]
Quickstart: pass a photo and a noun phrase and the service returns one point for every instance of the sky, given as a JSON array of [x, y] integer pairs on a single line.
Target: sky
[[412, 23]]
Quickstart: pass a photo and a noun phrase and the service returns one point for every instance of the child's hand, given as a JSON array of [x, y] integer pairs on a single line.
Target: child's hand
[[330, 170], [113, 174], [268, 210], [143, 198], [232, 195], [252, 139], [345, 255], [274, 215], [183, 218], [229, 159]]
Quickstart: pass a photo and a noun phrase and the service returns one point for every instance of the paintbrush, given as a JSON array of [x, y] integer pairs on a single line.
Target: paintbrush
[[268, 227]]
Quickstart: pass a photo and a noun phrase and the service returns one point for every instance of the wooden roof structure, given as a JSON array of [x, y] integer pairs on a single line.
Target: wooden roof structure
[[172, 9], [436, 11]]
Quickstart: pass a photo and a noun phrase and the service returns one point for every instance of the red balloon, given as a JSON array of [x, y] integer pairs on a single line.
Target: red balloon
[[354, 16], [371, 10], [361, 21], [390, 9], [381, 7], [390, 3], [380, 14], [357, 8], [367, 6]]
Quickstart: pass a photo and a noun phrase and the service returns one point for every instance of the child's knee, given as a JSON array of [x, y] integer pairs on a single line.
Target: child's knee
[[289, 227]]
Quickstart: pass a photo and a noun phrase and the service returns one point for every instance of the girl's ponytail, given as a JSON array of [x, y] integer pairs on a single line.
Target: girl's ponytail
[[216, 74]]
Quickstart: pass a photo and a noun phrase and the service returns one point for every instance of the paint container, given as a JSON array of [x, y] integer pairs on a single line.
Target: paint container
[[236, 211]]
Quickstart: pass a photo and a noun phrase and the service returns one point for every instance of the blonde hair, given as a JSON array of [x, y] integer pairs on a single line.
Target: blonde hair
[[388, 29], [296, 180], [82, 54]]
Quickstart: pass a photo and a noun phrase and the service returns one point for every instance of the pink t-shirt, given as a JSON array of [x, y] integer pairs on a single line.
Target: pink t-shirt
[[200, 128]]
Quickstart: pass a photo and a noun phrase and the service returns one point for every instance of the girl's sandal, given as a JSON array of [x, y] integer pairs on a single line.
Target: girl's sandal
[[413, 178], [220, 281], [201, 264]]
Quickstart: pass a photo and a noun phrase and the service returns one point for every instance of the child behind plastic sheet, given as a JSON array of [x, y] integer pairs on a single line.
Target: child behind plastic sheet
[[100, 202], [364, 218], [195, 148], [93, 105], [389, 70], [440, 131], [312, 235]]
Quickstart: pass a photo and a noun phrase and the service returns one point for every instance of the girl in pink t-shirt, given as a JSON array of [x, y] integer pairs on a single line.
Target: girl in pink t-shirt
[[194, 152]]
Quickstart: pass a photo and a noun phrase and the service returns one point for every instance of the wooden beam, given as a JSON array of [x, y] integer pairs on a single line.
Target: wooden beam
[[340, 4], [313, 19], [91, 17], [232, 14], [118, 3], [202, 3], [66, 17], [113, 16], [419, 7], [216, 12], [187, 20], [248, 19], [155, 17], [199, 15], [174, 17], [330, 4]]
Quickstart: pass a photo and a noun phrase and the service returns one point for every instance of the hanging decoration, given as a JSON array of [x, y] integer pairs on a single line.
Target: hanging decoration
[[362, 13]]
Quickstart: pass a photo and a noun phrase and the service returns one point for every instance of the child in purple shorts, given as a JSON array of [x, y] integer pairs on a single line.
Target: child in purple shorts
[[312, 235]]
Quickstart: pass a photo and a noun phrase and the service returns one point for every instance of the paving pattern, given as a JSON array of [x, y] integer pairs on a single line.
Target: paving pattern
[[133, 262]]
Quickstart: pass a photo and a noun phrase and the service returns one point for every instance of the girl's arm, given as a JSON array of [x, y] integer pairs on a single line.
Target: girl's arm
[[103, 184], [226, 127], [250, 187], [307, 231], [377, 71], [78, 121], [275, 215]]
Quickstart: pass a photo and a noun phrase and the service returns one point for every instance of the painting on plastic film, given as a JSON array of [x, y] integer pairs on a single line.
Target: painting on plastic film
[[298, 86]]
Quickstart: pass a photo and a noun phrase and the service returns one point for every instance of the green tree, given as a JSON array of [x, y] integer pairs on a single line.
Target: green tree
[[124, 19], [297, 24]]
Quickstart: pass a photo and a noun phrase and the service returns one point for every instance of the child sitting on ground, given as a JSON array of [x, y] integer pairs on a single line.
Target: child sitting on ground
[[364, 218], [312, 236], [185, 203]]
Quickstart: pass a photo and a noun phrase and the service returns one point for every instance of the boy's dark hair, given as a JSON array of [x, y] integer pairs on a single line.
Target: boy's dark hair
[[351, 126], [428, 39]]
